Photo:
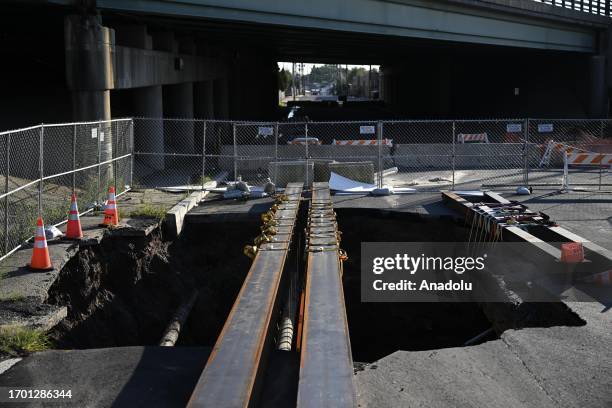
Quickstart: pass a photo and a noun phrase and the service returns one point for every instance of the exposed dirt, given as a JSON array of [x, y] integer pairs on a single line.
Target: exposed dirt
[[124, 291]]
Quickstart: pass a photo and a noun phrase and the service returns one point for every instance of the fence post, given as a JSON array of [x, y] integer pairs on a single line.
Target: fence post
[[7, 151], [203, 153], [379, 131], [565, 185], [235, 152], [40, 168], [306, 152], [99, 181], [131, 143], [275, 153], [525, 152], [74, 141], [453, 162], [114, 154]]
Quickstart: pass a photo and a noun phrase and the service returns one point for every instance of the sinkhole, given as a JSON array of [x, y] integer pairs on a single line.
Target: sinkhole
[[124, 291], [379, 329]]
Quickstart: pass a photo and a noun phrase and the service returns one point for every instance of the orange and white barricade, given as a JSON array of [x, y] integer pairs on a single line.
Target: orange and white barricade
[[363, 142], [473, 137], [557, 147], [589, 159]]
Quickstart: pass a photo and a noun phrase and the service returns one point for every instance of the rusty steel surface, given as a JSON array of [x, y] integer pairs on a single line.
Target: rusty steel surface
[[326, 364], [231, 373]]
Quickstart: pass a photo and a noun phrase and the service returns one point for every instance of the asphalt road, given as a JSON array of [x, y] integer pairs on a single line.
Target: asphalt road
[[118, 377]]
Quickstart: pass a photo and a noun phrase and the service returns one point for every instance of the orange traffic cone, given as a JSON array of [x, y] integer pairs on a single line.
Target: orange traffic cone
[[73, 229], [111, 217], [40, 253]]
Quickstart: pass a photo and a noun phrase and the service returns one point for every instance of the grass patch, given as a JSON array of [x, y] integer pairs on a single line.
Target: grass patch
[[11, 297], [149, 211], [18, 341]]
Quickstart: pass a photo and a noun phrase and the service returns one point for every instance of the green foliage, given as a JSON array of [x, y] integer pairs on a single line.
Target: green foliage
[[11, 297], [20, 340], [149, 211], [284, 80], [324, 74]]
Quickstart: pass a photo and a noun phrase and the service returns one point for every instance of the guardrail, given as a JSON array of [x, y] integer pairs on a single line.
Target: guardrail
[[599, 7]]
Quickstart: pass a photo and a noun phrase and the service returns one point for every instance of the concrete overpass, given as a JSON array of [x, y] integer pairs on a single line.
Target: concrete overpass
[[216, 58], [511, 23]]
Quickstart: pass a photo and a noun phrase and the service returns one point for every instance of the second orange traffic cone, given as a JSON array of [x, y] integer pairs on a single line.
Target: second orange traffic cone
[[40, 253], [111, 217], [73, 229]]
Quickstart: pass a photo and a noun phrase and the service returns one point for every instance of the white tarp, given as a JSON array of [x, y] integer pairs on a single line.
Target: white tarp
[[340, 183], [345, 185]]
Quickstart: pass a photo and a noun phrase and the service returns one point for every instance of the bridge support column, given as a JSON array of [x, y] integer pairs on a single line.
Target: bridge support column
[[178, 103], [149, 134], [89, 74], [203, 95], [221, 92], [597, 85]]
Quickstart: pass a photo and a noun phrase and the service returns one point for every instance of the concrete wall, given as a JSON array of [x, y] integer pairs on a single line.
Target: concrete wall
[[406, 156]]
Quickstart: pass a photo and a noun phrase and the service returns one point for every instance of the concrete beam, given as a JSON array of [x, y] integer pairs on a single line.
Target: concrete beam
[[136, 68], [408, 18]]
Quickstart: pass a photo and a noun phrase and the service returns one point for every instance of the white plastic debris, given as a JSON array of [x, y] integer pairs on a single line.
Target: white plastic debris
[[344, 185], [52, 232], [523, 191]]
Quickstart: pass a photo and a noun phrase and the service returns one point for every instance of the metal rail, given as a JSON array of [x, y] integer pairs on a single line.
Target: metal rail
[[234, 370], [326, 368]]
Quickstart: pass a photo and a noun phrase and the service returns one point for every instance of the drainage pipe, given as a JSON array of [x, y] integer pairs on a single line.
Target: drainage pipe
[[178, 320]]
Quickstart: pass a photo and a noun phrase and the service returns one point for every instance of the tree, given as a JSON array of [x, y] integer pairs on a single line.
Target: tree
[[284, 80]]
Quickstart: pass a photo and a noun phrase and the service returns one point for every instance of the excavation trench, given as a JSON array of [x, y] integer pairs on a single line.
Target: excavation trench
[[124, 291], [379, 329]]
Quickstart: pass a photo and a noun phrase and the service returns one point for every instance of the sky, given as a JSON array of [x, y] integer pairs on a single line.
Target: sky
[[308, 67]]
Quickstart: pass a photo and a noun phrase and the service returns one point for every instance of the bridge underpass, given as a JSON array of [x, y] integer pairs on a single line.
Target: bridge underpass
[[200, 59], [445, 59]]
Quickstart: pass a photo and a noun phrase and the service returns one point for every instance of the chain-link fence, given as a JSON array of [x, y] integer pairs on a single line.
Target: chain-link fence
[[42, 166], [425, 155]]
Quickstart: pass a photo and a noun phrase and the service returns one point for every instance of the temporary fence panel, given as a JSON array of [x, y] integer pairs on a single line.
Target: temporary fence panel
[[43, 165]]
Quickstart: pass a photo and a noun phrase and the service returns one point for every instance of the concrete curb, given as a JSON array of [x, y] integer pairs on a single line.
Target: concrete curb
[[173, 222]]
